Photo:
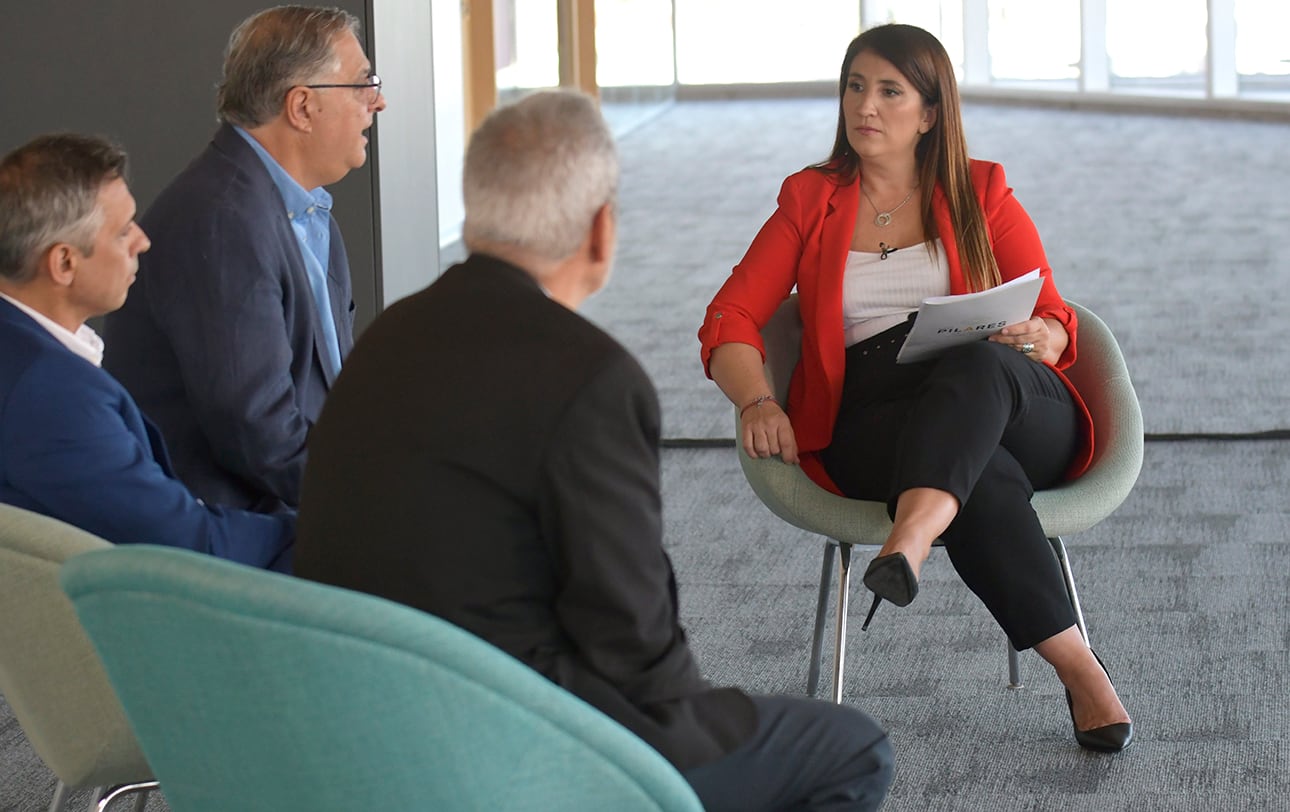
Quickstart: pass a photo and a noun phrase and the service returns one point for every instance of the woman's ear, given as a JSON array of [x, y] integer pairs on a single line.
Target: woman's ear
[[929, 118]]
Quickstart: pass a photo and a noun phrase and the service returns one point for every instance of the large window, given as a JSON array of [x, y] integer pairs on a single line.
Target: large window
[[1157, 46], [758, 41], [1035, 42], [526, 45], [1154, 47], [1263, 48], [634, 43]]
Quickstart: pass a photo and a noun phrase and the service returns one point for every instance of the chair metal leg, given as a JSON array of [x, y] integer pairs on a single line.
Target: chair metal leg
[[103, 800], [1014, 667], [61, 794], [840, 648], [821, 609], [1059, 549]]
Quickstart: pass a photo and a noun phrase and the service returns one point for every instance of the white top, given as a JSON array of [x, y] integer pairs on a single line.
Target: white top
[[84, 342], [878, 294]]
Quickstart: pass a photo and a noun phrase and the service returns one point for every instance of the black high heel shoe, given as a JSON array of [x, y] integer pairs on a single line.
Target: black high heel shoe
[[890, 577], [1105, 739]]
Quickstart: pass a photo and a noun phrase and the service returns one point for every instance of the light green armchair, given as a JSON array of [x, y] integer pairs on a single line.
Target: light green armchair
[[49, 672], [252, 691], [1103, 381]]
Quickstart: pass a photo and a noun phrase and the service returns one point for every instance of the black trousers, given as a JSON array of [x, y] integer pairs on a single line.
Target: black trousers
[[804, 755], [985, 423]]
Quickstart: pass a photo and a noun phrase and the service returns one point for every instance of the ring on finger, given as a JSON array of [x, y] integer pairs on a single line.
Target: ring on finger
[[1027, 348]]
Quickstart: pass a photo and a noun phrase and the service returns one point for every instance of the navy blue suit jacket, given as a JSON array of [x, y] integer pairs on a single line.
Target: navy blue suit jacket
[[219, 339], [74, 446]]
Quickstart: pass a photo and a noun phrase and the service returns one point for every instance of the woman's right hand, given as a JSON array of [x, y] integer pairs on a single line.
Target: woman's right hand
[[737, 369], [767, 431]]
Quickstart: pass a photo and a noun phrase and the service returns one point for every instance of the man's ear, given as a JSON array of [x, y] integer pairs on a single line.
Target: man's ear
[[295, 109], [59, 263], [603, 233]]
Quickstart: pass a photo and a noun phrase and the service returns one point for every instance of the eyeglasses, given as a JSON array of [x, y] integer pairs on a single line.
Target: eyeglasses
[[372, 86]]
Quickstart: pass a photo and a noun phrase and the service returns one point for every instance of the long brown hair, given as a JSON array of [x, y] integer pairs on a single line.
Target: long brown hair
[[941, 153]]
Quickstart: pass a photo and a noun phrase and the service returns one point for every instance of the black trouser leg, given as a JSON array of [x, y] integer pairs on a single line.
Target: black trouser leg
[[987, 425], [805, 755], [975, 399], [999, 550]]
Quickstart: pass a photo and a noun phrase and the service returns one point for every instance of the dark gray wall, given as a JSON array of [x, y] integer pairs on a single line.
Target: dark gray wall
[[143, 72]]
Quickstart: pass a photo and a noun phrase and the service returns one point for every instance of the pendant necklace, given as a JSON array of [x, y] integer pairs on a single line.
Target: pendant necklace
[[882, 219]]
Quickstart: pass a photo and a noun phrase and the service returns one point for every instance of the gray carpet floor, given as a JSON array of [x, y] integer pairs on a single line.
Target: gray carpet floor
[[1170, 229], [1184, 591]]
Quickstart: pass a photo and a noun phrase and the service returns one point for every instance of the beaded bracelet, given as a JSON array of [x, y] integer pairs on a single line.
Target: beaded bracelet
[[758, 401]]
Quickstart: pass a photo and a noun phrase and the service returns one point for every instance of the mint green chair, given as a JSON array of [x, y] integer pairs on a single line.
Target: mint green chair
[[251, 691], [49, 672], [1102, 379]]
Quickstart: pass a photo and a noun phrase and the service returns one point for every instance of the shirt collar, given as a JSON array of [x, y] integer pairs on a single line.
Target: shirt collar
[[299, 201], [84, 342]]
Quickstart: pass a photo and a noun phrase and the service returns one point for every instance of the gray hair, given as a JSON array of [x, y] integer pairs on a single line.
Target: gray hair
[[49, 190], [536, 173], [272, 51]]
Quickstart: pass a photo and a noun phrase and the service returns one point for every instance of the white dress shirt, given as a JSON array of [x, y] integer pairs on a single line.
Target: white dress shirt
[[84, 342]]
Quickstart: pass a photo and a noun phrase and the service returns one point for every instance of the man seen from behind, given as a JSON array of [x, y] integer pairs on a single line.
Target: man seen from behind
[[491, 457]]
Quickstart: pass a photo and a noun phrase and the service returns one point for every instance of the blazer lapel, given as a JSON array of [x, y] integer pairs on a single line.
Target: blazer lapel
[[835, 245], [340, 294], [945, 230], [241, 153]]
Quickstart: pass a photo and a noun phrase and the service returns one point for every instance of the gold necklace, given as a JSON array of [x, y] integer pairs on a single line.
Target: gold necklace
[[882, 219]]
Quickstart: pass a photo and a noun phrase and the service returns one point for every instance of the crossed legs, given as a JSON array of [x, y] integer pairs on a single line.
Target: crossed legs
[[956, 448]]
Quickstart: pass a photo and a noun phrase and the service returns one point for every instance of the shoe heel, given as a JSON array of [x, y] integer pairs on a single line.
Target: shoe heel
[[877, 599], [891, 577], [1106, 739]]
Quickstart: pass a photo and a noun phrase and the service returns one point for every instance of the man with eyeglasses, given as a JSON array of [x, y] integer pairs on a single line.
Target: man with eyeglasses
[[242, 312]]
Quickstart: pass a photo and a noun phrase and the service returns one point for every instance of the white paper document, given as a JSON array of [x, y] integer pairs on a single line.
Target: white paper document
[[947, 321]]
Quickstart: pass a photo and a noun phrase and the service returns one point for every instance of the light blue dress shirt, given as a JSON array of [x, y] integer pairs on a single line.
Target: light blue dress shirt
[[310, 216]]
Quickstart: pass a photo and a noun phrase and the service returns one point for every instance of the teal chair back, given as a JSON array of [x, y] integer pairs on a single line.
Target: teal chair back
[[49, 673], [256, 691]]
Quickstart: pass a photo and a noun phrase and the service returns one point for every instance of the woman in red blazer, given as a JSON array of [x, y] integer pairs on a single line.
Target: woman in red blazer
[[955, 445]]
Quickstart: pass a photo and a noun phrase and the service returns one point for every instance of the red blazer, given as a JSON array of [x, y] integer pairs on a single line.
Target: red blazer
[[805, 244]]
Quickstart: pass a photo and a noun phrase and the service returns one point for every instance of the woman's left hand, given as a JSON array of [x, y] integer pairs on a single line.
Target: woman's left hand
[[1034, 338]]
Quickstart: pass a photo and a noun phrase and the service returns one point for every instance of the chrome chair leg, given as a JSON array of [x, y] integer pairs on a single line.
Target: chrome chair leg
[[1059, 549], [1014, 667], [840, 649], [844, 582], [61, 794], [821, 610], [104, 800]]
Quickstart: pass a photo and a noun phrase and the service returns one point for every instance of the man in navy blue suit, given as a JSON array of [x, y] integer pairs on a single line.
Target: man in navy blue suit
[[243, 310], [73, 445]]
